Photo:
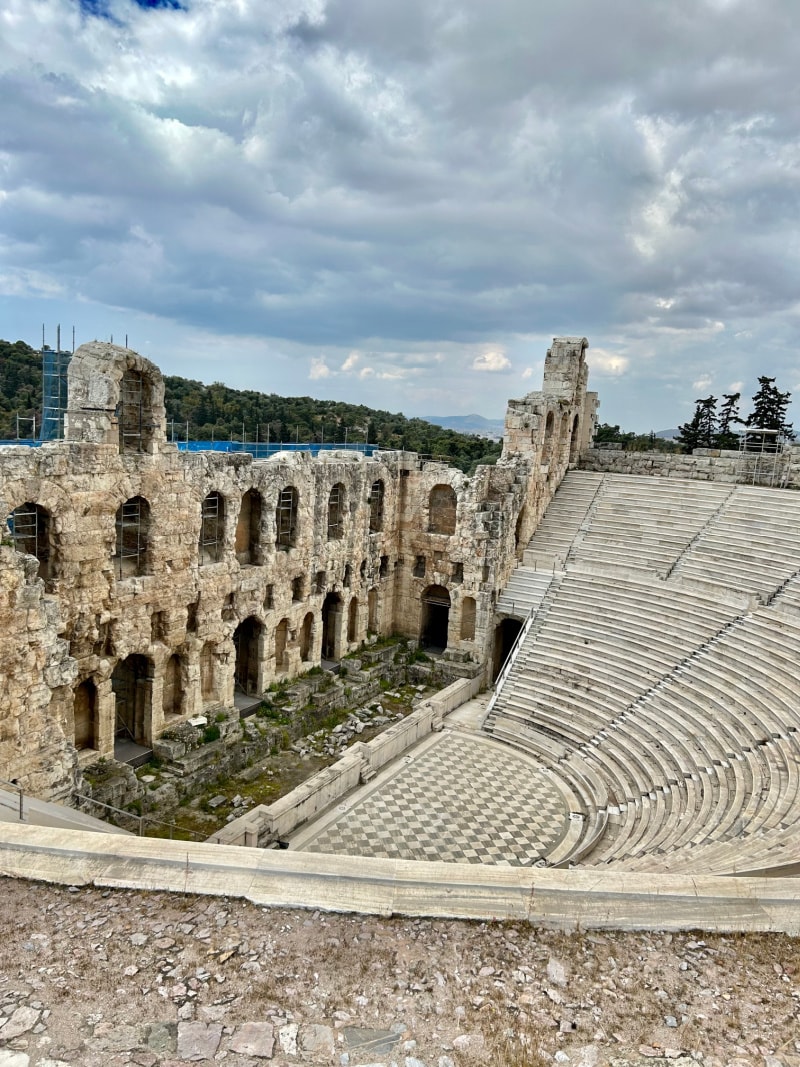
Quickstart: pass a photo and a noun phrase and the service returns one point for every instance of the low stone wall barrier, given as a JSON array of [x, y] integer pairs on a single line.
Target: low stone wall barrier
[[268, 823]]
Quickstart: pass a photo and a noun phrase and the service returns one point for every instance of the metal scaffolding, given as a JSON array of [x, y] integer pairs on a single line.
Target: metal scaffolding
[[131, 525], [762, 458], [55, 364]]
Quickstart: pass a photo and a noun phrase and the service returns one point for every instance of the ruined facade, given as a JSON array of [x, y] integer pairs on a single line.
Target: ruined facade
[[142, 585]]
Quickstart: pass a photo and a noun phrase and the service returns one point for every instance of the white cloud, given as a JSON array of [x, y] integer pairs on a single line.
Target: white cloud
[[527, 373], [319, 369], [702, 382], [350, 363], [492, 360], [607, 364]]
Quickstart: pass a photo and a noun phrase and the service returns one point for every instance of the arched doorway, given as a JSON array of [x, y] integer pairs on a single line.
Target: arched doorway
[[132, 686], [331, 615], [306, 637], [352, 621], [468, 612], [248, 529], [435, 618], [504, 637], [247, 642], [172, 688], [85, 715], [281, 638]]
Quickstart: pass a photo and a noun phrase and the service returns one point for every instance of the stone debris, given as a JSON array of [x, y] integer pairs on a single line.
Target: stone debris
[[111, 978]]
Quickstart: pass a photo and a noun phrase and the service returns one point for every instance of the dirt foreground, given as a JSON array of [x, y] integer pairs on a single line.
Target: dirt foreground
[[103, 977]]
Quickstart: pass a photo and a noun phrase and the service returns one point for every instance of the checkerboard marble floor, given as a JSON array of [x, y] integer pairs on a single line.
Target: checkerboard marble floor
[[458, 798]]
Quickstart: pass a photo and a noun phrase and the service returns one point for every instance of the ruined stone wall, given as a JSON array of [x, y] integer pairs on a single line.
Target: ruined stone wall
[[704, 464], [171, 580]]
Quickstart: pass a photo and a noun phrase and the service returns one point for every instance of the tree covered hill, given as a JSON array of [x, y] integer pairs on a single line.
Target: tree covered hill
[[218, 412]]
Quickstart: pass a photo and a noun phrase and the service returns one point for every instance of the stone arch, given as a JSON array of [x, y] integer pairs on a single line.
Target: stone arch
[[248, 640], [281, 641], [547, 441], [132, 554], [575, 440], [373, 624], [248, 529], [468, 612], [337, 500], [172, 688], [442, 502], [84, 707], [307, 637], [212, 529], [435, 618], [135, 411], [31, 529], [331, 626], [286, 518], [352, 620], [132, 686], [377, 495]]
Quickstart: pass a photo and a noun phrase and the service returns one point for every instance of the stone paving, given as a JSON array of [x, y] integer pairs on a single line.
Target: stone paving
[[456, 798]]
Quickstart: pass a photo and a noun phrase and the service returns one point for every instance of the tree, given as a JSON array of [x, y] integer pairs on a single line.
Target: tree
[[701, 431], [728, 417], [769, 413]]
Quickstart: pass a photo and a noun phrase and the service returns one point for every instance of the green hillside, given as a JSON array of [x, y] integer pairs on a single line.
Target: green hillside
[[218, 412]]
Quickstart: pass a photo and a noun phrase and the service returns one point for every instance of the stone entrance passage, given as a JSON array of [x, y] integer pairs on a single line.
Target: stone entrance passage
[[247, 642], [504, 637], [132, 686], [435, 618], [331, 625]]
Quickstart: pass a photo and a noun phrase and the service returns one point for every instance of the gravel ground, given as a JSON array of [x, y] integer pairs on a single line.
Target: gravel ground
[[104, 977]]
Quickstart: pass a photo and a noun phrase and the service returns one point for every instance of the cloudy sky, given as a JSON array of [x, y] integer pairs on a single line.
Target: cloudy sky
[[400, 202]]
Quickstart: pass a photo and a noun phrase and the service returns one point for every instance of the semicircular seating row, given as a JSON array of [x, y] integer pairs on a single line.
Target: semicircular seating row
[[673, 713]]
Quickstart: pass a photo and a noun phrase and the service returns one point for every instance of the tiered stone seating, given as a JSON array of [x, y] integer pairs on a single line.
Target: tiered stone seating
[[683, 703], [524, 593], [751, 544], [645, 523], [562, 520]]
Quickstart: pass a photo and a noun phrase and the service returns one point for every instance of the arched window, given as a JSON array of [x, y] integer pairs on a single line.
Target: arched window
[[442, 510], [85, 714], [376, 497], [286, 518], [132, 548], [336, 511], [547, 443], [468, 619], [212, 529], [575, 441], [135, 412], [172, 688], [31, 532], [248, 529], [281, 639], [352, 621], [306, 637]]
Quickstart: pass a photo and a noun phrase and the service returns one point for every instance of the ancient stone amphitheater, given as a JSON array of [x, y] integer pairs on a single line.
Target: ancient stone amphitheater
[[637, 636]]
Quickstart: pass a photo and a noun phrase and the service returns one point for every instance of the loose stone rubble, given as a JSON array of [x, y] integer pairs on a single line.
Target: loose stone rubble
[[100, 979]]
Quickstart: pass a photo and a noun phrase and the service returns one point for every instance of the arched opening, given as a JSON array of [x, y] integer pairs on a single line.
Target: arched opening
[[435, 618], [306, 637], [31, 532], [519, 528], [505, 635], [442, 510], [135, 412], [372, 610], [84, 705], [212, 529], [331, 614], [247, 643], [376, 498], [336, 512], [348, 576], [132, 547], [281, 639], [132, 686], [248, 529], [352, 621], [547, 443], [208, 673], [286, 518], [172, 688], [575, 440], [468, 608]]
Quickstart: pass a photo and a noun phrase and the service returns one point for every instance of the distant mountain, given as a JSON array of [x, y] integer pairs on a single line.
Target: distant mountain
[[468, 424], [667, 435]]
